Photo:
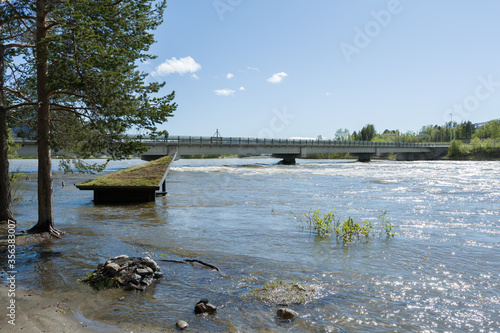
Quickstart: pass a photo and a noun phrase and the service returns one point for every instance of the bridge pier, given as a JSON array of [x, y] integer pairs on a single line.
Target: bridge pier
[[287, 159], [362, 157], [412, 156]]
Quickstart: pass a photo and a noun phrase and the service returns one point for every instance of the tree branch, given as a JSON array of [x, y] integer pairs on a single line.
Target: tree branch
[[9, 46], [20, 105], [18, 93], [55, 92], [114, 4]]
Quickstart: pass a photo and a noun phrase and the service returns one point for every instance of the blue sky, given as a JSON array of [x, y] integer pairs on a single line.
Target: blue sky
[[283, 69]]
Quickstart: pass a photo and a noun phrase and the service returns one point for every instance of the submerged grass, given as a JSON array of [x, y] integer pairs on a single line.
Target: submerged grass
[[281, 292], [148, 174]]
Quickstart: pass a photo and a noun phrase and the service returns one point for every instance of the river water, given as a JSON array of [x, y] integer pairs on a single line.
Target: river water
[[440, 273]]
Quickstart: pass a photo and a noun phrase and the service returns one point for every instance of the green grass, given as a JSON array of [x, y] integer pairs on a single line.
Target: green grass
[[148, 174]]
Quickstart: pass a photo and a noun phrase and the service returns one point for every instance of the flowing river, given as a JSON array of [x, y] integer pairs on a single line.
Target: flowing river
[[440, 272]]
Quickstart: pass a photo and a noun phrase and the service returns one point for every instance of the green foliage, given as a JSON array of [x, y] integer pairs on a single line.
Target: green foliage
[[456, 149], [367, 133], [321, 224], [17, 186], [67, 165], [342, 134], [346, 231], [95, 90], [386, 224], [489, 130], [13, 147]]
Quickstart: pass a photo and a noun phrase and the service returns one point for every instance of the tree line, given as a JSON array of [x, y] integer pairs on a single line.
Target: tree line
[[69, 73], [464, 131]]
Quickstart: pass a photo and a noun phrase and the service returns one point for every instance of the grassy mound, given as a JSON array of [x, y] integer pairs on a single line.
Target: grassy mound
[[281, 292]]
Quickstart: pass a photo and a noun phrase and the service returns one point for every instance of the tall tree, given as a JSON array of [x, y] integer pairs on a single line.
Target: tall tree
[[88, 89], [342, 134], [12, 37], [367, 133], [5, 195]]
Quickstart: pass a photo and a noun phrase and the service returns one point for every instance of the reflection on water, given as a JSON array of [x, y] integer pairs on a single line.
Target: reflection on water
[[440, 272]]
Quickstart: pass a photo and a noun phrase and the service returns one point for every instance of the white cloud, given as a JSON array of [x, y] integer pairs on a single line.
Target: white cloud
[[194, 76], [253, 69], [180, 66], [241, 88], [224, 92], [230, 75], [277, 77], [328, 93]]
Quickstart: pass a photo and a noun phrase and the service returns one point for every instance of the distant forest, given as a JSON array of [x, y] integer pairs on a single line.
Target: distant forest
[[465, 131]]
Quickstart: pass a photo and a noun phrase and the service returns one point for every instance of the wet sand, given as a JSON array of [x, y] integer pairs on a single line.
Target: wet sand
[[35, 313]]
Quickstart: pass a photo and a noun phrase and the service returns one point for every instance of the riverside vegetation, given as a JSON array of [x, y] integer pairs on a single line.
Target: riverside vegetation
[[476, 149], [346, 231]]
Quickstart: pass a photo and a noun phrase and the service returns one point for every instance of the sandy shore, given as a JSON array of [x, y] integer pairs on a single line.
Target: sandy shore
[[34, 313]]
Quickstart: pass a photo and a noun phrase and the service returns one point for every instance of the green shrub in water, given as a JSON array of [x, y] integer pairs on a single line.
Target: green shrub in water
[[348, 230]]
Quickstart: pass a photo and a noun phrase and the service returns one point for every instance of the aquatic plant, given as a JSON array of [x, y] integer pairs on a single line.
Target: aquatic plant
[[323, 225], [386, 225], [347, 231]]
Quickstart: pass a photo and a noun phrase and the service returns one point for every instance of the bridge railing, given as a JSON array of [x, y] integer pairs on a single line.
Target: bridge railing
[[200, 140]]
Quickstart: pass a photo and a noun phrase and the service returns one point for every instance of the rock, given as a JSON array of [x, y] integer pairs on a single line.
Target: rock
[[151, 264], [123, 271], [147, 280], [135, 278], [112, 269], [124, 256], [203, 306], [182, 324], [286, 313]]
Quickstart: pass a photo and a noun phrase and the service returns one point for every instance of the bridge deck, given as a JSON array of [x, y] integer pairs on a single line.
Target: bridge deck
[[288, 149]]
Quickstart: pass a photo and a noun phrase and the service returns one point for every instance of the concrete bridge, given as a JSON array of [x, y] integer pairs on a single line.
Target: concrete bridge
[[287, 149]]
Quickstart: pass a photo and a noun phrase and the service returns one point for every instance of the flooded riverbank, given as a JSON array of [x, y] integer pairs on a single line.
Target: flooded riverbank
[[439, 273]]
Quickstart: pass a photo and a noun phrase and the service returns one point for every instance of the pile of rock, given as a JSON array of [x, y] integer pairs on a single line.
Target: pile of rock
[[125, 272], [204, 306]]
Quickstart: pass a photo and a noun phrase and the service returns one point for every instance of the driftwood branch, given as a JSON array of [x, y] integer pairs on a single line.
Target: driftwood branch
[[190, 261]]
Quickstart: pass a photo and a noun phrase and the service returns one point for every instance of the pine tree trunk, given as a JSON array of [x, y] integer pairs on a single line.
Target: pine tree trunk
[[45, 206], [5, 195]]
